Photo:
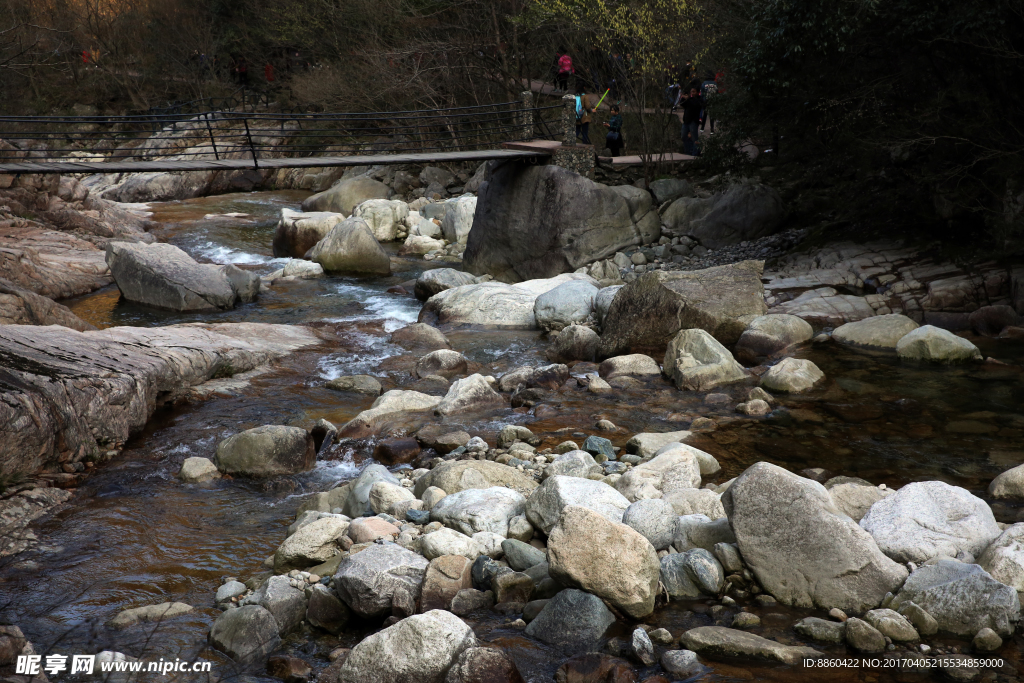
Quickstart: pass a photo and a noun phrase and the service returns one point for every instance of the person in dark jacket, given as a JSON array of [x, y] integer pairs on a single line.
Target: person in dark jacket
[[692, 107], [614, 138]]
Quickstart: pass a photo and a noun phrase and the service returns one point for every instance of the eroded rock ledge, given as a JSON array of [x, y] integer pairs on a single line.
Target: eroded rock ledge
[[65, 395]]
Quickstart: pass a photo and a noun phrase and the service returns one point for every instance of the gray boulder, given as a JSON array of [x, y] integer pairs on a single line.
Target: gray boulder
[[700, 531], [935, 345], [539, 221], [573, 620], [493, 304], [696, 361], [1004, 557], [437, 280], [744, 211], [521, 556], [670, 189], [418, 649], [695, 502], [392, 404], [346, 195], [648, 312], [297, 233], [350, 247], [654, 519], [286, 603], [385, 217], [575, 342], [880, 332], [803, 550], [572, 464], [578, 556], [674, 467], [692, 574], [567, 304], [1008, 485], [457, 221], [368, 580], [471, 394], [927, 519], [682, 664], [247, 634], [770, 335], [545, 505], [267, 451], [195, 470], [730, 644], [419, 335], [444, 362], [962, 598], [603, 301], [489, 509], [459, 475], [325, 610], [164, 276], [311, 544], [792, 375], [855, 498], [357, 503]]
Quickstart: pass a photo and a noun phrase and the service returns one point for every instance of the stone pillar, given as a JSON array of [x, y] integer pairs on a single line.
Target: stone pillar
[[568, 119], [525, 117]]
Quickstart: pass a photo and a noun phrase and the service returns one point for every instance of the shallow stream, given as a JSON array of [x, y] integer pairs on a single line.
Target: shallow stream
[[134, 535]]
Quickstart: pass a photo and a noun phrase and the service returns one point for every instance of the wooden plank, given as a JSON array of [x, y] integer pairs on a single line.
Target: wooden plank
[[165, 165]]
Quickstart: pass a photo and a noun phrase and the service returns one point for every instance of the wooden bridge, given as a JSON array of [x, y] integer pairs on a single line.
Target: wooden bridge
[[233, 141]]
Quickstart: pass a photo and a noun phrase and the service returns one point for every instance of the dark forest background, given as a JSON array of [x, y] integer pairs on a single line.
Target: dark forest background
[[903, 115]]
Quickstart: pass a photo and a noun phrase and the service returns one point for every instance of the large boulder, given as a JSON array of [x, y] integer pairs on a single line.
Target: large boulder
[[484, 665], [346, 195], [457, 220], [803, 550], [744, 211], [459, 475], [164, 276], [1004, 557], [545, 505], [648, 312], [936, 345], [926, 519], [471, 394], [357, 502], [312, 544], [539, 221], [449, 542], [326, 611], [572, 619], [792, 375], [567, 304], [670, 189], [350, 247], [267, 451], [445, 577], [962, 598], [770, 335], [367, 581], [1008, 485], [880, 332], [385, 217], [578, 555], [437, 280], [654, 519], [443, 362], [392, 404], [418, 649], [247, 634], [281, 599], [675, 467], [855, 497], [297, 232], [474, 510], [492, 304], [696, 361], [575, 342], [419, 336]]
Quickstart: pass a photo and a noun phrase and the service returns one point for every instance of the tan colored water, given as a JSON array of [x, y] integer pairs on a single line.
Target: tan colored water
[[133, 535]]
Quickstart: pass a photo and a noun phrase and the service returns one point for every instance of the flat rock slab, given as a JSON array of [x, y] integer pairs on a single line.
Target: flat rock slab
[[149, 613], [61, 384], [725, 643]]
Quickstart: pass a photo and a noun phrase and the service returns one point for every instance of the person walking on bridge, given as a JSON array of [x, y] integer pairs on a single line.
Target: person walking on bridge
[[583, 111], [692, 107], [564, 70], [614, 137]]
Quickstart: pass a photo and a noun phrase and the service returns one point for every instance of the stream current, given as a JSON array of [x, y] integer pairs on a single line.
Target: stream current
[[133, 535]]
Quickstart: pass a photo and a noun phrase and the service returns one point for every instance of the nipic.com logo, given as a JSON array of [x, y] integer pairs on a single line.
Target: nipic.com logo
[[31, 665]]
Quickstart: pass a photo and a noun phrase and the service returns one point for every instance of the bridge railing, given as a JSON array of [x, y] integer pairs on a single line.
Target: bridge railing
[[239, 135]]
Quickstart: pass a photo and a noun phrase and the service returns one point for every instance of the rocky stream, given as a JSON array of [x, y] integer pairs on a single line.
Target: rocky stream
[[657, 451]]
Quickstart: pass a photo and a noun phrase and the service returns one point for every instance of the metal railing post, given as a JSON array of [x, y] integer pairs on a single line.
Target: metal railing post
[[213, 142], [252, 148]]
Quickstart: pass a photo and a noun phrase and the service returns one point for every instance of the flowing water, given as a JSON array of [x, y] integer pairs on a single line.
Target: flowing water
[[133, 535]]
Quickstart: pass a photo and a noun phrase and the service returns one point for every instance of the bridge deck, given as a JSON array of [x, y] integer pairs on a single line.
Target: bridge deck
[[163, 165]]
